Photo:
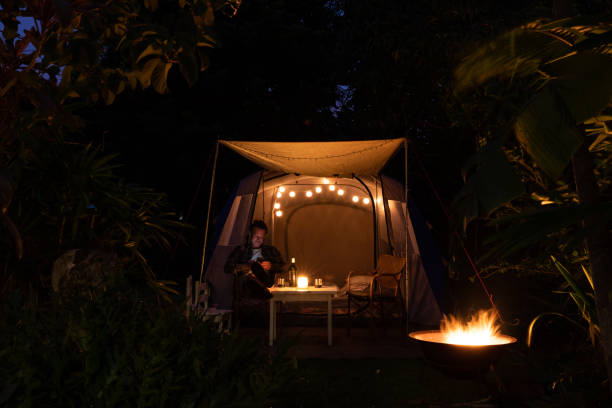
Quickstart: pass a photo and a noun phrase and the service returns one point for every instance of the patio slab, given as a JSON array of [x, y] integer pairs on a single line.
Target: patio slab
[[311, 342]]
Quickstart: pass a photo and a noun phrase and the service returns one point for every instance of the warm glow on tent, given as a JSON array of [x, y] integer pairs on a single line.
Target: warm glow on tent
[[281, 189], [276, 206], [318, 189], [325, 181], [309, 193], [340, 192], [292, 194], [332, 187], [355, 199], [366, 201], [279, 213]]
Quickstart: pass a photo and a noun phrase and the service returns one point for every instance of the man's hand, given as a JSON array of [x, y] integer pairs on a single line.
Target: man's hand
[[267, 265]]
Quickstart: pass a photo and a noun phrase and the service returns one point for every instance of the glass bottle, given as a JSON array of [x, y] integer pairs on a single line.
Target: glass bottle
[[292, 273]]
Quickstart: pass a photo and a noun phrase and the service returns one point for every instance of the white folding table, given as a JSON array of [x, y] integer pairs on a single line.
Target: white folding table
[[309, 294]]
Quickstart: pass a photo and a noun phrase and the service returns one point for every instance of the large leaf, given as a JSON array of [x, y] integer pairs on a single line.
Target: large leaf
[[533, 226], [547, 130], [584, 82], [189, 66], [492, 183], [519, 52], [159, 77]]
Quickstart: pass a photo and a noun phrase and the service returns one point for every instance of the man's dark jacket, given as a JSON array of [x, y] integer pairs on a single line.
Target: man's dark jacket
[[244, 253]]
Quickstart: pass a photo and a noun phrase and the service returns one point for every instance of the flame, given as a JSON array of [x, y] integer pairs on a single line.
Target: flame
[[480, 330]]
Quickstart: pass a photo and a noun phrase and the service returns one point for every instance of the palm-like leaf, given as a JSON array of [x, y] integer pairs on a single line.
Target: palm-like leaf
[[570, 62]]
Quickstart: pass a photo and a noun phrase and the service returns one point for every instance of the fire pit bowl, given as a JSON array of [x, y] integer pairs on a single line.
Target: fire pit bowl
[[459, 360]]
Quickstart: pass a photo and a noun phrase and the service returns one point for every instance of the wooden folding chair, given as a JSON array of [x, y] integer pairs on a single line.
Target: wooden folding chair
[[380, 286]]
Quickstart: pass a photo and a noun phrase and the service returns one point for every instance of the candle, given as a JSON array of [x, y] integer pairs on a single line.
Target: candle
[[302, 282]]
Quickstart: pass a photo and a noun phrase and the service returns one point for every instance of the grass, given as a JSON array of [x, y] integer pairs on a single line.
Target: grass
[[381, 383]]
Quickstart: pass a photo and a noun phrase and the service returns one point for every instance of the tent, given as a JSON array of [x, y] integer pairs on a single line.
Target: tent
[[327, 205]]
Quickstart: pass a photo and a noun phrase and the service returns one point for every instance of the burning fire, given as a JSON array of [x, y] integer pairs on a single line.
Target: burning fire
[[481, 330]]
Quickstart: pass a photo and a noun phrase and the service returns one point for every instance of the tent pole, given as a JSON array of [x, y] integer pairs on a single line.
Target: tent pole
[[406, 227], [212, 184]]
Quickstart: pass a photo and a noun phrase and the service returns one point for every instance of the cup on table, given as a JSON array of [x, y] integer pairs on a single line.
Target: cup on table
[[280, 282], [318, 282]]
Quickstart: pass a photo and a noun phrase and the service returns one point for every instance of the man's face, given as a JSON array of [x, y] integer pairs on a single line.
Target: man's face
[[257, 238]]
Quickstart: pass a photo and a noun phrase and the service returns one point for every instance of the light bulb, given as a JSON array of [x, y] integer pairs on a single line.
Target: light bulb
[[279, 194], [276, 206], [325, 181], [341, 192], [366, 201], [292, 194], [355, 199], [281, 189], [279, 213], [309, 193], [332, 187], [318, 189]]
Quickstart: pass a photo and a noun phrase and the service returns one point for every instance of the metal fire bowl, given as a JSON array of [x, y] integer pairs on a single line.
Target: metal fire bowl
[[459, 360]]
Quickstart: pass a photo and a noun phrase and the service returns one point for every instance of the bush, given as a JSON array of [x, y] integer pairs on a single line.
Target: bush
[[119, 349]]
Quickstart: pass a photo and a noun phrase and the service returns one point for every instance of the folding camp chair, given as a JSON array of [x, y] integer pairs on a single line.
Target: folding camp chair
[[381, 286]]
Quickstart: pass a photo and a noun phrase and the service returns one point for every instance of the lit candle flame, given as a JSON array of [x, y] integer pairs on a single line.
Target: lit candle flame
[[302, 282]]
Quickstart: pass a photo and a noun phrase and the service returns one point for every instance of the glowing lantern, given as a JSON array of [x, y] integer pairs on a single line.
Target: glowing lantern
[[302, 282]]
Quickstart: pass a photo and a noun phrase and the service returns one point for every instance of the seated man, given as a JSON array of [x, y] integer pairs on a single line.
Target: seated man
[[254, 264]]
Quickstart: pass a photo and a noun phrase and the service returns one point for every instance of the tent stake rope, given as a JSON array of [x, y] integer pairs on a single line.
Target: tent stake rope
[[465, 250]]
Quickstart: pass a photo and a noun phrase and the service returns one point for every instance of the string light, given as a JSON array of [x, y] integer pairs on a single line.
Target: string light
[[279, 194], [309, 193], [281, 189], [355, 199], [341, 192], [318, 189], [292, 194], [276, 206], [325, 181], [279, 213], [366, 201], [332, 187]]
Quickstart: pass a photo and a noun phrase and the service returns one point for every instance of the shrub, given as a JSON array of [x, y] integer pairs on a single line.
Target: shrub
[[120, 349]]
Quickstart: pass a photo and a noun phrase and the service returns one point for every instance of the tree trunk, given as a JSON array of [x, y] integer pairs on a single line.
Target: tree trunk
[[599, 246]]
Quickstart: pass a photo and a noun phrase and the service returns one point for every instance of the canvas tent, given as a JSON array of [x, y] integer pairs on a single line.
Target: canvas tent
[[327, 205]]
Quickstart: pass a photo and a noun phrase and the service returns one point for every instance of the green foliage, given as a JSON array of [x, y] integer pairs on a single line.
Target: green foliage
[[68, 196], [566, 68], [121, 350], [583, 300], [491, 183], [88, 51]]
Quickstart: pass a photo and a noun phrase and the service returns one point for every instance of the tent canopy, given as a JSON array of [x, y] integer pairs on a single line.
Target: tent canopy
[[340, 159]]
